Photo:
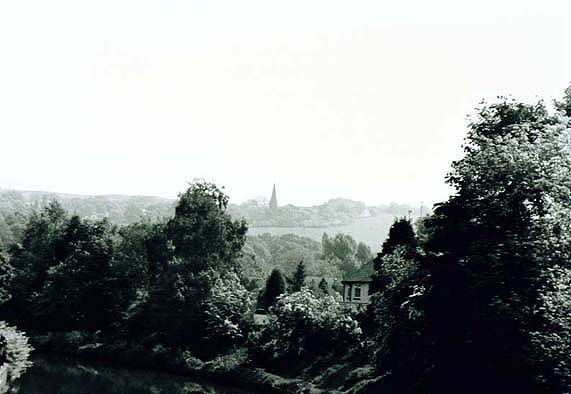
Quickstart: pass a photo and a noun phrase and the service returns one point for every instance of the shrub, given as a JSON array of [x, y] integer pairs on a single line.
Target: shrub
[[17, 351], [228, 310], [302, 324]]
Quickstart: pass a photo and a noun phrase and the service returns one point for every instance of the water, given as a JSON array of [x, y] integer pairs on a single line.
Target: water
[[61, 375]]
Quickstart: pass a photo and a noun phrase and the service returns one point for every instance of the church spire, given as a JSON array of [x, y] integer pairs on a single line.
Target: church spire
[[274, 200]]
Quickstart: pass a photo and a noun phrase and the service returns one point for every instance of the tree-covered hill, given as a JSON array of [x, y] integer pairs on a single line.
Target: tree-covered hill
[[15, 207], [366, 223]]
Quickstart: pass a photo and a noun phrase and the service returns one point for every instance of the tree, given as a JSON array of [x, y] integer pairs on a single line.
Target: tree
[[363, 253], [487, 249], [342, 248], [564, 105], [142, 255], [275, 286], [401, 242], [323, 286], [298, 279], [207, 245], [553, 343], [203, 233], [401, 233], [41, 248], [6, 275], [76, 293]]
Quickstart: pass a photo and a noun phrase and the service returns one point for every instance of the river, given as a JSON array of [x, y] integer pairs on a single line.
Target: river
[[53, 374]]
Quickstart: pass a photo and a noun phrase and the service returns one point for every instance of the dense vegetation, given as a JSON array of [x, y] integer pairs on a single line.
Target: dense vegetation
[[332, 258], [477, 299], [182, 282], [483, 306]]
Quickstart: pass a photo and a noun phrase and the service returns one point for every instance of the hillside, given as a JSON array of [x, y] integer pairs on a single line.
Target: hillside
[[368, 224]]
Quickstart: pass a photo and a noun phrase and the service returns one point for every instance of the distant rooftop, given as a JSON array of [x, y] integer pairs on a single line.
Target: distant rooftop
[[363, 274]]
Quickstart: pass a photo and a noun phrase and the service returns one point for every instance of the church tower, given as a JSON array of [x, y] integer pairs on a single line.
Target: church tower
[[274, 200]]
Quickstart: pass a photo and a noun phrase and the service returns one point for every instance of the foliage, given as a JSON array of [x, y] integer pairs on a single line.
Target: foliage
[[363, 253], [275, 286], [303, 325], [263, 253], [200, 245], [6, 275], [323, 286], [17, 351], [398, 307], [203, 234], [76, 292], [39, 250], [487, 249], [395, 268], [553, 343], [401, 234], [228, 310], [344, 249], [297, 281]]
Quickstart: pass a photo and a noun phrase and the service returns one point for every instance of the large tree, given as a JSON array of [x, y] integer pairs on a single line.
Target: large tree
[[77, 292], [488, 247], [202, 232], [207, 244], [514, 177], [40, 248]]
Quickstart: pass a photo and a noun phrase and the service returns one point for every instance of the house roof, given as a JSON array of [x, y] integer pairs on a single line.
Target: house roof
[[363, 274]]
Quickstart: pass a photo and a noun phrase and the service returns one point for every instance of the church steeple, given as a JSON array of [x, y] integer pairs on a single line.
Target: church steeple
[[274, 200]]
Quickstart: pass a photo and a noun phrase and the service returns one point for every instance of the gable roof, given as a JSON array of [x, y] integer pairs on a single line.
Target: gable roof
[[363, 274]]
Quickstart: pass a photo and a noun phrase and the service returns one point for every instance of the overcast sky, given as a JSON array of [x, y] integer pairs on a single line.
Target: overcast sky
[[358, 99]]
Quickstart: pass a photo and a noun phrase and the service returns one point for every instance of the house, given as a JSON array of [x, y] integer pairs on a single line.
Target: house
[[356, 287]]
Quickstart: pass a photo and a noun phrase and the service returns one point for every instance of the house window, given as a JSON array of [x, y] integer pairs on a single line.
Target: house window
[[357, 292]]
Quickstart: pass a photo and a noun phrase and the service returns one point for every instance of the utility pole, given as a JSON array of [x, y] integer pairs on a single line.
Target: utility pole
[[421, 206]]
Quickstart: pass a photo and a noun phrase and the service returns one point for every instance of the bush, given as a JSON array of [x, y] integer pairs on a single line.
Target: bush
[[303, 325], [228, 311], [17, 351]]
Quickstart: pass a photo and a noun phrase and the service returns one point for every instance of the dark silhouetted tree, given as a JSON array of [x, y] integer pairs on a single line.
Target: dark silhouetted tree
[[298, 279], [401, 233], [275, 286], [323, 286], [488, 248]]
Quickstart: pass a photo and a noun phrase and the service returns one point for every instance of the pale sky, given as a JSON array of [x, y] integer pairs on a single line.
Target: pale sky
[[358, 99]]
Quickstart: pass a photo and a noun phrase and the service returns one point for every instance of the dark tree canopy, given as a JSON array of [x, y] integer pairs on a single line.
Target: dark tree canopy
[[6, 275], [401, 233], [487, 248], [202, 232], [298, 279], [275, 286], [323, 286]]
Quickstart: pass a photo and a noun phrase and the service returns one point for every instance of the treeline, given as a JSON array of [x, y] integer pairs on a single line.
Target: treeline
[[145, 279], [335, 212], [16, 206], [334, 257], [185, 282]]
